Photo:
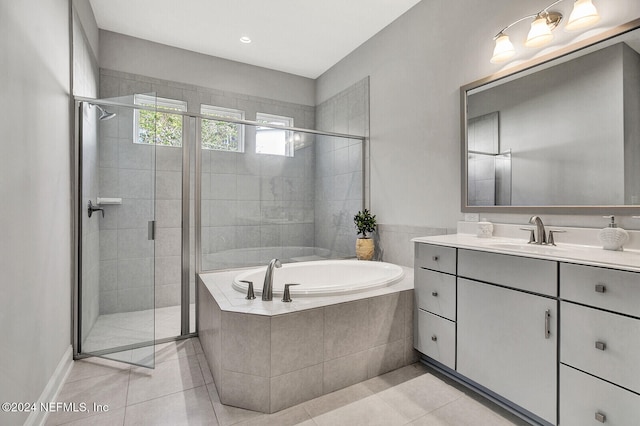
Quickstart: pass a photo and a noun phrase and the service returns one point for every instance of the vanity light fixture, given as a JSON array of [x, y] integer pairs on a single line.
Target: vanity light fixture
[[584, 14]]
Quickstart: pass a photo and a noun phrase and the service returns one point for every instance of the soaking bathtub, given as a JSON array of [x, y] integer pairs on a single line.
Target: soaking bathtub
[[270, 355], [323, 278]]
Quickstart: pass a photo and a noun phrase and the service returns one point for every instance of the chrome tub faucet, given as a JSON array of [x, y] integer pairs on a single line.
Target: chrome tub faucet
[[267, 288], [540, 237]]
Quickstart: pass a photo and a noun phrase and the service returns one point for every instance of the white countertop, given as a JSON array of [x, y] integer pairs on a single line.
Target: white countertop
[[628, 260]]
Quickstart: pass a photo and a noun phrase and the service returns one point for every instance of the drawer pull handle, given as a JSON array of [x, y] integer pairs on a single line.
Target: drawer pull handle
[[547, 324], [601, 346], [601, 288], [601, 417], [434, 293], [435, 258], [434, 338]]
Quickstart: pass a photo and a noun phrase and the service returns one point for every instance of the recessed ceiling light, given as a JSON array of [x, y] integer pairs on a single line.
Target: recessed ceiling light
[[245, 40]]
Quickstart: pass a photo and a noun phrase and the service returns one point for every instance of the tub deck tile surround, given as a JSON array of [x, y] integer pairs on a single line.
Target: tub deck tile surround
[[268, 356]]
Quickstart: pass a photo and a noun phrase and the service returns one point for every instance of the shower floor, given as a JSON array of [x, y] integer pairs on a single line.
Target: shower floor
[[127, 328]]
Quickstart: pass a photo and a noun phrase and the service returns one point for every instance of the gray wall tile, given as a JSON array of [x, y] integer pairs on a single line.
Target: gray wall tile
[[245, 390], [345, 329], [135, 183], [247, 342], [295, 387], [386, 319], [168, 185], [345, 371], [296, 341], [385, 358], [134, 273], [169, 158]]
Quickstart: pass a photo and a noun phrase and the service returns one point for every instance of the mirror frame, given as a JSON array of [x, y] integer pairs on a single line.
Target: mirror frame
[[525, 66]]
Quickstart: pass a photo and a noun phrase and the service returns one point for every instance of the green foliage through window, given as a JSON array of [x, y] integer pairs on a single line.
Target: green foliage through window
[[220, 135], [159, 127]]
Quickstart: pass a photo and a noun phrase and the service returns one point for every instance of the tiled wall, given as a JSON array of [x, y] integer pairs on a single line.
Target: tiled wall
[[340, 185], [127, 171], [256, 207], [249, 200], [393, 242], [267, 363]]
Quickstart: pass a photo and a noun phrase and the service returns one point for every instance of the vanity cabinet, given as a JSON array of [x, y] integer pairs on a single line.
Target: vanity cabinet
[[478, 315], [557, 339], [507, 339], [600, 345]]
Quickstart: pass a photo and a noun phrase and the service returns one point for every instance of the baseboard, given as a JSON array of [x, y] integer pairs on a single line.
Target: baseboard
[[52, 389]]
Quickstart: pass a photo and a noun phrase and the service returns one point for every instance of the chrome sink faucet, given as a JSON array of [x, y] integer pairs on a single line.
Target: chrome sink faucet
[[267, 288], [540, 237]]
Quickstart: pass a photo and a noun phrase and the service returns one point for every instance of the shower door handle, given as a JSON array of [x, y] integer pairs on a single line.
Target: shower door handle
[[91, 208], [152, 230]]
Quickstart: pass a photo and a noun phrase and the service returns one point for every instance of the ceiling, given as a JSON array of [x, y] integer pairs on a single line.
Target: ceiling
[[301, 37]]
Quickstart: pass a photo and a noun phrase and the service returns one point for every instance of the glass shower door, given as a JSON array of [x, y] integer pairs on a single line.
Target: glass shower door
[[117, 174]]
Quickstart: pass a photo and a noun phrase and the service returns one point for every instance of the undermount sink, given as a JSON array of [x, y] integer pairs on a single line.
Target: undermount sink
[[531, 248], [539, 249]]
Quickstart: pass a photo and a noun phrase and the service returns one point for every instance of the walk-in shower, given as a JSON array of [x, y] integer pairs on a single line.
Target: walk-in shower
[[190, 187]]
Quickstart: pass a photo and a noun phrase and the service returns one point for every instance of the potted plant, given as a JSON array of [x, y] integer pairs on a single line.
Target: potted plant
[[365, 222]]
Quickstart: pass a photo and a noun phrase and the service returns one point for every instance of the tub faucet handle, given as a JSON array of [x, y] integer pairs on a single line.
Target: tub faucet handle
[[286, 297], [532, 236], [250, 294], [551, 240]]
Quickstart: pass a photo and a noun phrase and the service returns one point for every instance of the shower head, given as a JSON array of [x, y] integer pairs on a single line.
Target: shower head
[[104, 115]]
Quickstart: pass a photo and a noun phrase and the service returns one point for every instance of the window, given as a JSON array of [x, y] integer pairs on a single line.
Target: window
[[271, 140], [158, 127], [221, 135]]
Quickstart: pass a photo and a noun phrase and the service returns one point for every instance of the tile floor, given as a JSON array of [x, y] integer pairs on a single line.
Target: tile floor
[[180, 391], [126, 328]]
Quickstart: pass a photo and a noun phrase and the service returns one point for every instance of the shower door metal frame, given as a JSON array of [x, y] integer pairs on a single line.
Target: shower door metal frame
[[78, 210]]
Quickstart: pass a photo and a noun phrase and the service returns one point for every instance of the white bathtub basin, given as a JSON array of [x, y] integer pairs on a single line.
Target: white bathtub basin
[[324, 278]]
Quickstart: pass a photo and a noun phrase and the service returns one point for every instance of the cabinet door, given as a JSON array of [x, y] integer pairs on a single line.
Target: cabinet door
[[503, 344]]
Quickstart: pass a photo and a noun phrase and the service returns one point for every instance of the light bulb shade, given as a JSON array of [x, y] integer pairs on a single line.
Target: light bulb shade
[[504, 49], [584, 14], [539, 34]]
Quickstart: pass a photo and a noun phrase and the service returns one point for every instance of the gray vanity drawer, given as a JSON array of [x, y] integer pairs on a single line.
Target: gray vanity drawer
[[535, 275], [435, 337], [435, 292], [582, 397], [610, 289], [437, 258], [585, 330]]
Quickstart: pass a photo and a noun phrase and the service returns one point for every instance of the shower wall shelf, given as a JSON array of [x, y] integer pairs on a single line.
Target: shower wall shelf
[[113, 201]]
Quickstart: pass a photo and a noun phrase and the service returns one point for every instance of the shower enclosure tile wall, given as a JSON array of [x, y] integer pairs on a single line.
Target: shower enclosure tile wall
[[339, 185], [249, 200], [126, 171]]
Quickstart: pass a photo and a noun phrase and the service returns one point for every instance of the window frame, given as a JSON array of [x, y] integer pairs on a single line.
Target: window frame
[[282, 120], [236, 114], [162, 105]]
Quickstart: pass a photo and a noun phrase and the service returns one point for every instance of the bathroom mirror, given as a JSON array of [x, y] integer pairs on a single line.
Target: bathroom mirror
[[558, 134]]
